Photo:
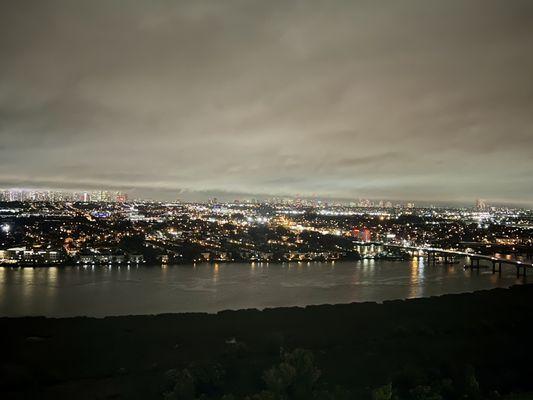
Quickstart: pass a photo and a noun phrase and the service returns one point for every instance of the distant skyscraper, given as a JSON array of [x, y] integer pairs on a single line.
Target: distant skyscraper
[[122, 197]]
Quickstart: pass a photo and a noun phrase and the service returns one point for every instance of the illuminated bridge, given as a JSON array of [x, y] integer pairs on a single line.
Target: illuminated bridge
[[432, 253]]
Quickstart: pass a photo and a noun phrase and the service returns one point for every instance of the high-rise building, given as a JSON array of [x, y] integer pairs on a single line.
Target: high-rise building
[[121, 197], [481, 205]]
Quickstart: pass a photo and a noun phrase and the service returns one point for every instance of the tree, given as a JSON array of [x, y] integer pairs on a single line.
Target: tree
[[184, 388], [294, 378], [424, 393], [197, 381], [382, 393]]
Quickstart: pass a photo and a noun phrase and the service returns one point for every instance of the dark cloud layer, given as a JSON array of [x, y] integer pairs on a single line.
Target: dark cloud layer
[[413, 99]]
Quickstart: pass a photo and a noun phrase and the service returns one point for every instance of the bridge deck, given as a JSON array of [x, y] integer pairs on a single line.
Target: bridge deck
[[464, 254]]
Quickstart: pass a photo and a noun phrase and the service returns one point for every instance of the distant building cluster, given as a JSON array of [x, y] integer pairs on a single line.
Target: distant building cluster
[[370, 203], [102, 228], [36, 256], [25, 255], [52, 196]]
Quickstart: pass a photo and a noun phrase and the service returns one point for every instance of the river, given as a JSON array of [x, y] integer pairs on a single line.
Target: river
[[104, 290]]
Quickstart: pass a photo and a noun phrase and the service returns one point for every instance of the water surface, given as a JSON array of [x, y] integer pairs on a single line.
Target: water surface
[[102, 290]]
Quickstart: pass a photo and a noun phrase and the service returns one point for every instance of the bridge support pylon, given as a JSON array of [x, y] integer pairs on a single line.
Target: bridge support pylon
[[524, 270], [432, 258], [474, 263]]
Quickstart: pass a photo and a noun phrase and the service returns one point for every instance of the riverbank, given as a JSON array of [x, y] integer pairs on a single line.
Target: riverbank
[[481, 337]]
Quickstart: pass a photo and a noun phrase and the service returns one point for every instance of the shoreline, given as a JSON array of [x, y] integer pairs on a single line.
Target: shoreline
[[225, 262]]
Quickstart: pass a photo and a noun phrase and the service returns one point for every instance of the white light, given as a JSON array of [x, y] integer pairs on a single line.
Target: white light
[[6, 228]]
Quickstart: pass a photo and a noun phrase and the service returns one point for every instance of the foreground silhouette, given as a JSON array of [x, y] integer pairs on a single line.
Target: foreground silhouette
[[460, 346]]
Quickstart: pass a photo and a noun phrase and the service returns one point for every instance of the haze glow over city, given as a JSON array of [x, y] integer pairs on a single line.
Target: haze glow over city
[[430, 101]]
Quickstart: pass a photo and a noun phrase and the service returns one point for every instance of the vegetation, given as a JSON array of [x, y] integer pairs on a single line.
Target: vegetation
[[468, 346]]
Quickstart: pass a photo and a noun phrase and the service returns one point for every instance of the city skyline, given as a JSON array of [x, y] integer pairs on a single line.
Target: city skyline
[[237, 99], [105, 195]]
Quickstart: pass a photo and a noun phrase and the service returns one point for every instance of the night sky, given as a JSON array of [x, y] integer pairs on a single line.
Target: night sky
[[418, 100]]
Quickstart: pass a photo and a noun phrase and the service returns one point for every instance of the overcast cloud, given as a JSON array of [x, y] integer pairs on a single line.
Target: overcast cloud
[[422, 100]]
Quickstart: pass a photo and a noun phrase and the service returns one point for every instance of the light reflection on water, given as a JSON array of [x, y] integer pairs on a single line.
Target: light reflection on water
[[106, 290], [416, 278]]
